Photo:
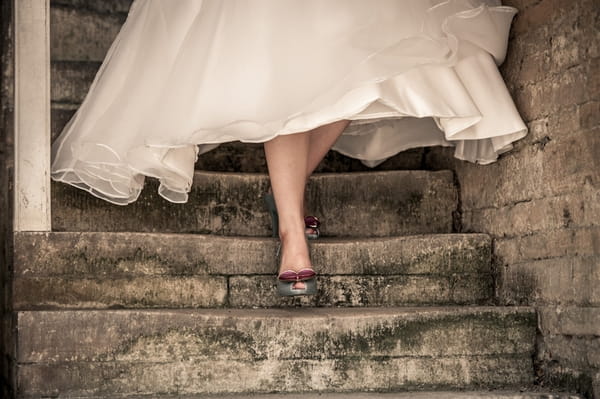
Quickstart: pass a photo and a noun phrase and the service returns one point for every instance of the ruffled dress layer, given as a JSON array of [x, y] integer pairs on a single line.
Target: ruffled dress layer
[[184, 76]]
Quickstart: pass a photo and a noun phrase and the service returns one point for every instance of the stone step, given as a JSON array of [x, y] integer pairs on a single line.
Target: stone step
[[482, 394], [396, 203], [145, 270], [397, 395], [70, 82], [190, 352], [83, 30]]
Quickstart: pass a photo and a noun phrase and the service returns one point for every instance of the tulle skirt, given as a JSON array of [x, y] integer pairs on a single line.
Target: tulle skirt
[[184, 76]]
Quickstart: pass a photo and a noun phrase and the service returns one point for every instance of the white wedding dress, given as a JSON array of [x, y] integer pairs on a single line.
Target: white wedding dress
[[183, 76]]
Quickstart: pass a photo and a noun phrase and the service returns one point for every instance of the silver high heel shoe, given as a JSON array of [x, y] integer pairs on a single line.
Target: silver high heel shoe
[[287, 279]]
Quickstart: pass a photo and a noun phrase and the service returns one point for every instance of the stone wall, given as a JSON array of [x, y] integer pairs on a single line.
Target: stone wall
[[6, 162], [541, 202]]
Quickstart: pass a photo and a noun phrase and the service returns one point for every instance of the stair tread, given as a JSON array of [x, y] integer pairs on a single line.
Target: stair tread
[[54, 253], [396, 203], [163, 270], [96, 335], [309, 313], [482, 394], [245, 351]]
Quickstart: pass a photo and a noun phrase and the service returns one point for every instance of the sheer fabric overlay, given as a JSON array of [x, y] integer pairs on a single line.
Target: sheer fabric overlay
[[184, 76]]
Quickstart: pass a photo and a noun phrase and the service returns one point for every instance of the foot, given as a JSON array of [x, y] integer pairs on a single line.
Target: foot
[[295, 255]]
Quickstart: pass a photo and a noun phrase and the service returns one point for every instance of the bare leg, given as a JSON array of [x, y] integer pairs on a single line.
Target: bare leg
[[291, 159], [287, 160], [322, 139]]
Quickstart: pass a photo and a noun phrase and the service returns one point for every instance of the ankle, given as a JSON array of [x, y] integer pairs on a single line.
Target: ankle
[[292, 236], [291, 229]]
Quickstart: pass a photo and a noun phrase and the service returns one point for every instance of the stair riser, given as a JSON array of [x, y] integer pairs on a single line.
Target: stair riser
[[137, 270], [397, 203], [246, 292], [70, 81], [221, 377], [158, 336], [392, 349], [83, 35], [367, 291], [143, 254]]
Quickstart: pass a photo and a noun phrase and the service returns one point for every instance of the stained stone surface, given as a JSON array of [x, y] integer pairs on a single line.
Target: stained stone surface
[[227, 351], [395, 203], [147, 270], [406, 395], [84, 32]]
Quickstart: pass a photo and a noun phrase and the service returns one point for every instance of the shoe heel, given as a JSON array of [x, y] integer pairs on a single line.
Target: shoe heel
[[313, 223], [272, 209], [286, 288]]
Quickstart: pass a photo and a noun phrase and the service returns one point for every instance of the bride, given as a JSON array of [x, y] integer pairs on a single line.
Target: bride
[[366, 78]]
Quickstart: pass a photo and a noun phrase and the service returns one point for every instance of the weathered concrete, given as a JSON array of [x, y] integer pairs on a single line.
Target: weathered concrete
[[190, 352], [100, 270], [397, 203]]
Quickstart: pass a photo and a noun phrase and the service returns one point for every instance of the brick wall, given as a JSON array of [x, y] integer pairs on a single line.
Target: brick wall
[[541, 202]]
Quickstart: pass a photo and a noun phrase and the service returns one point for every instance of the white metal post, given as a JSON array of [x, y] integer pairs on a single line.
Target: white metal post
[[32, 115]]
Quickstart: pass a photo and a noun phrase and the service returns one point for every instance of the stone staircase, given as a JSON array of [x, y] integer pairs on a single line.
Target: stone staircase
[[178, 300]]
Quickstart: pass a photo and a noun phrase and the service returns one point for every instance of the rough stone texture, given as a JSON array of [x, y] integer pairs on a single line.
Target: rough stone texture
[[212, 376], [401, 395], [82, 33], [140, 270], [396, 203], [260, 291], [7, 347], [540, 202], [190, 352], [103, 6], [71, 81]]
